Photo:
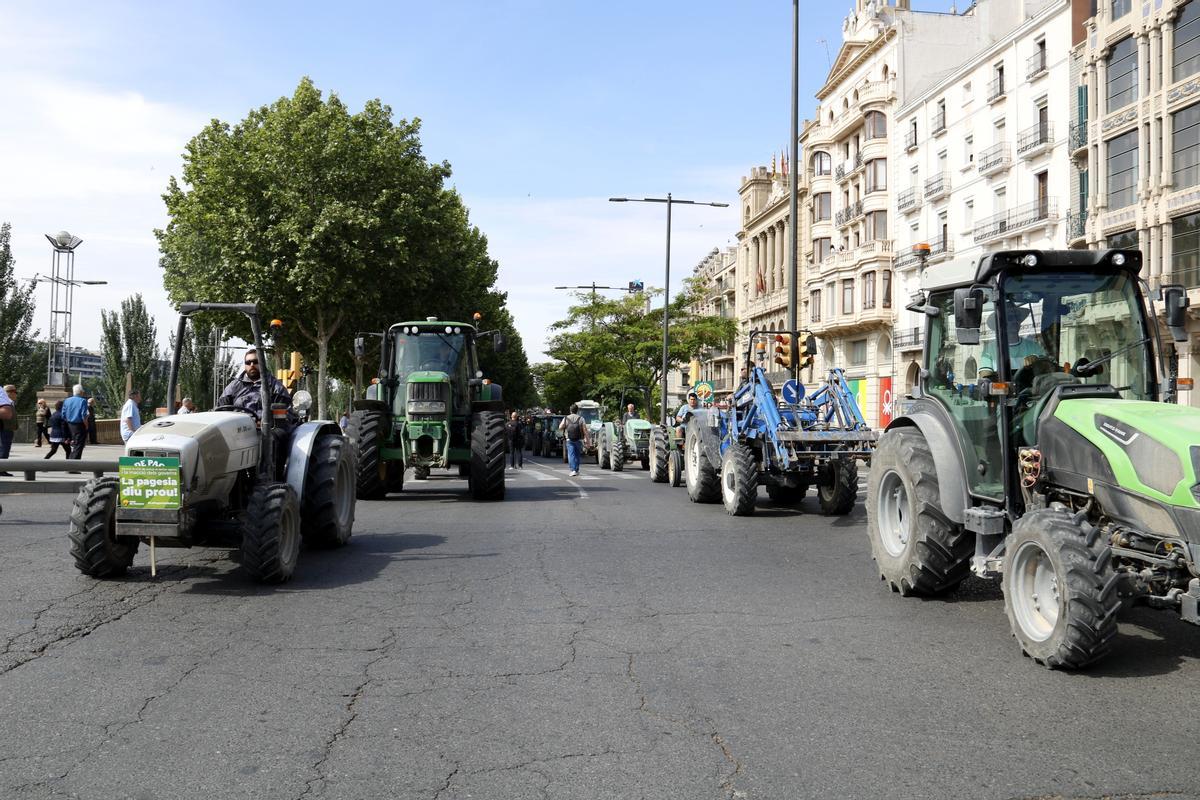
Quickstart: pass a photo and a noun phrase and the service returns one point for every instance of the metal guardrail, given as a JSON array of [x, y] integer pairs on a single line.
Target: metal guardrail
[[30, 467]]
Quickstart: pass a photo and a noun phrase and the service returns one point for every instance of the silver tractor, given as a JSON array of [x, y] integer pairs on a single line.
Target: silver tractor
[[220, 478]]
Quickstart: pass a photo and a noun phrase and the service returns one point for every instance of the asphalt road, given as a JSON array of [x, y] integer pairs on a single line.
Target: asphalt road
[[598, 637]]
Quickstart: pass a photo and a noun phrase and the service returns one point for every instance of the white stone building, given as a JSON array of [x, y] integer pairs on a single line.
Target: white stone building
[[716, 278], [981, 156]]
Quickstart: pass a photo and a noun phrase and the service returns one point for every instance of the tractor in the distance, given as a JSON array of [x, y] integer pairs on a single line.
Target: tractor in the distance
[[430, 408], [1039, 449]]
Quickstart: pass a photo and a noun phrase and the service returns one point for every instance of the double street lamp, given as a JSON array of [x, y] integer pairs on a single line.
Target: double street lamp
[[62, 300], [670, 201]]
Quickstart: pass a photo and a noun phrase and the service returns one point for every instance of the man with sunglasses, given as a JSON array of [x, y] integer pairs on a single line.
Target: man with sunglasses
[[243, 391]]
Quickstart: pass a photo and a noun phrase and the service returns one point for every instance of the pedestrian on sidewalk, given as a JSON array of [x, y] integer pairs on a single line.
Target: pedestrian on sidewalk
[[131, 417], [91, 420], [515, 431], [74, 411], [56, 431], [41, 416], [8, 420], [575, 430]]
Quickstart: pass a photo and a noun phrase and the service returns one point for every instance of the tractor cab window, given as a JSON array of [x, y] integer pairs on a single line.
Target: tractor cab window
[[950, 381], [430, 352], [590, 415]]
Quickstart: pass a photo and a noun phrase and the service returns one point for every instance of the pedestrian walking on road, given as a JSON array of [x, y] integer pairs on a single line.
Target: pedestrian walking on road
[[74, 411], [42, 416], [515, 430], [91, 419], [56, 432], [575, 431], [344, 422], [8, 420], [131, 417]]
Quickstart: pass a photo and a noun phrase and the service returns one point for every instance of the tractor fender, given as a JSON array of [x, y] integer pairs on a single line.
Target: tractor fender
[[304, 438], [371, 405], [947, 457]]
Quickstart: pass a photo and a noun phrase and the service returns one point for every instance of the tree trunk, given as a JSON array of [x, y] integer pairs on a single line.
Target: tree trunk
[[322, 361]]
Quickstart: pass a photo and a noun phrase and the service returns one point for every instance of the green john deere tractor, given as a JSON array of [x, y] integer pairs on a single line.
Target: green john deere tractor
[[1044, 446], [430, 408]]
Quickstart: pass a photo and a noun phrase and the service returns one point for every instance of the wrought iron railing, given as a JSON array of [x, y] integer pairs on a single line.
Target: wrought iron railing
[[937, 185], [908, 199], [939, 122], [1038, 135], [849, 213], [1015, 219], [1035, 65], [910, 139], [1078, 135], [1076, 226], [907, 337], [995, 157], [996, 88]]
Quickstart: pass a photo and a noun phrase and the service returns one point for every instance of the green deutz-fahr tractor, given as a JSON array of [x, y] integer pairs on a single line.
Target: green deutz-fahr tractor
[[430, 407], [1039, 448], [625, 442]]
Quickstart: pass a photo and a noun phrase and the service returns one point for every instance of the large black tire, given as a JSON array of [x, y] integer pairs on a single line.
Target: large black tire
[[487, 456], [420, 473], [372, 480], [786, 495], [739, 480], [1050, 552], [838, 496], [703, 483], [616, 453], [328, 502], [675, 469], [658, 454], [93, 531], [271, 533], [917, 549], [602, 450]]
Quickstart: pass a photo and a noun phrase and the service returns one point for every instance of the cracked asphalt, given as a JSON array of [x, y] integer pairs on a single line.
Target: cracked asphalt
[[594, 638]]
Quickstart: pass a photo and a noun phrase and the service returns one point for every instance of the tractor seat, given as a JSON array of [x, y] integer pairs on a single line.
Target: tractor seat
[[1043, 388]]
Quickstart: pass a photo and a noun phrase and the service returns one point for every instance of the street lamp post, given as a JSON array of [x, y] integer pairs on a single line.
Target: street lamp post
[[670, 201], [62, 297]]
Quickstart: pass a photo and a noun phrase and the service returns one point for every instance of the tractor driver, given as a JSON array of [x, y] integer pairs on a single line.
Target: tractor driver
[[440, 359], [687, 409], [1022, 350], [243, 391]]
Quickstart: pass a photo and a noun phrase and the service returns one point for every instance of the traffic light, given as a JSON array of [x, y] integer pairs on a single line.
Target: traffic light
[[808, 351], [694, 372], [784, 356]]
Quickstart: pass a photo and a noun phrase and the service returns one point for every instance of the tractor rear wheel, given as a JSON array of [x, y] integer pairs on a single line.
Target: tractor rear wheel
[[786, 495], [658, 454], [675, 470], [328, 502], [1060, 589], [838, 496], [602, 450], [918, 550], [703, 483], [487, 456], [616, 453], [739, 480], [372, 480], [93, 531], [271, 533]]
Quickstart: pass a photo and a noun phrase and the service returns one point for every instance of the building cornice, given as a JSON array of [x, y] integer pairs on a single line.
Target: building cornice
[[835, 79]]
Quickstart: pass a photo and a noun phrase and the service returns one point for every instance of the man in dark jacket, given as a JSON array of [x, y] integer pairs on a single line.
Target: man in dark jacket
[[515, 429], [243, 391]]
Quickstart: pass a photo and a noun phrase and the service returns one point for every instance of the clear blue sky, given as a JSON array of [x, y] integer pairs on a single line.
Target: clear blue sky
[[544, 109]]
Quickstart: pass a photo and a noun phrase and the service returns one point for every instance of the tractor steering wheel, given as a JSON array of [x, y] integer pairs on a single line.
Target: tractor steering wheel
[[238, 408]]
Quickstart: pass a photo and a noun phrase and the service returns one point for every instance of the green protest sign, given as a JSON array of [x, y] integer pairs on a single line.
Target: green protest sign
[[149, 482]]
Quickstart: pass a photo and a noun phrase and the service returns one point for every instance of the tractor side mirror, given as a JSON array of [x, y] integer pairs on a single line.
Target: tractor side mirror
[[500, 343], [968, 314], [1176, 301], [360, 347]]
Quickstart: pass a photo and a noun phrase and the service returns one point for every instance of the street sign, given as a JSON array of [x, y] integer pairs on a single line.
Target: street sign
[[704, 391], [149, 482], [792, 391]]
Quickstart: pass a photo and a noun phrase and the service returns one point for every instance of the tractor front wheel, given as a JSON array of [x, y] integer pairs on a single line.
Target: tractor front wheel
[[271, 533], [487, 456], [328, 502], [675, 469], [917, 548], [616, 452], [703, 483], [93, 531], [1060, 589], [372, 480], [739, 480], [658, 454], [602, 451], [838, 495]]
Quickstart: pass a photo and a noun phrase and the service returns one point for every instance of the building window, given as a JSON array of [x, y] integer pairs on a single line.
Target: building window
[[1187, 41], [885, 288], [814, 303], [968, 150], [858, 353], [876, 125], [1186, 158], [868, 282], [1120, 8], [1122, 74], [822, 205], [1122, 170], [831, 303], [968, 214], [821, 249], [848, 296], [1125, 240], [966, 93], [1185, 250], [876, 226], [822, 164], [877, 175]]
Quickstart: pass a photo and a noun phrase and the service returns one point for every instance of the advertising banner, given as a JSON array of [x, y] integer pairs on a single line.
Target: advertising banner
[[885, 402], [149, 482]]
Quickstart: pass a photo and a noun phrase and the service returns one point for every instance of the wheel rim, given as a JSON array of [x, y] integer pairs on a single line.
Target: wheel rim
[[343, 492], [892, 508], [289, 535], [692, 467], [1036, 601], [728, 482]]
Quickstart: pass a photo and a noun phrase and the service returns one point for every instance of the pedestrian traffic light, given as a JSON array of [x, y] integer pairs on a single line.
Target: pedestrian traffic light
[[784, 355], [636, 286]]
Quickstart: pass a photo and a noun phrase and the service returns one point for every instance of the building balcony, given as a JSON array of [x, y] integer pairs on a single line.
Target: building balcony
[[908, 338], [937, 186], [1014, 220], [877, 92], [996, 158], [910, 141], [815, 134], [1076, 229], [1035, 65], [860, 319], [909, 200], [1036, 140], [996, 89], [1078, 141], [940, 249], [766, 304], [847, 215], [939, 123]]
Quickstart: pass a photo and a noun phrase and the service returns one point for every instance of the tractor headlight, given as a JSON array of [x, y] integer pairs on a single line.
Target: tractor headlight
[[302, 401], [426, 407], [1118, 259]]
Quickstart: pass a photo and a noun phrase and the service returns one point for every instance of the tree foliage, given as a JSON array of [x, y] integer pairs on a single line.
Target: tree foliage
[[22, 359], [129, 345], [331, 221]]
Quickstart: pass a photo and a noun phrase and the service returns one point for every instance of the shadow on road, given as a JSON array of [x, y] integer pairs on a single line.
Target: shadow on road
[[548, 491]]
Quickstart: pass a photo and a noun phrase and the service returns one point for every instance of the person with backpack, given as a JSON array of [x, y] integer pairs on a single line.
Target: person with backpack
[[59, 434], [575, 431]]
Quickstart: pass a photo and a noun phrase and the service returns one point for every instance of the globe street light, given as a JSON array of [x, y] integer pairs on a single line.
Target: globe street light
[[670, 201]]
